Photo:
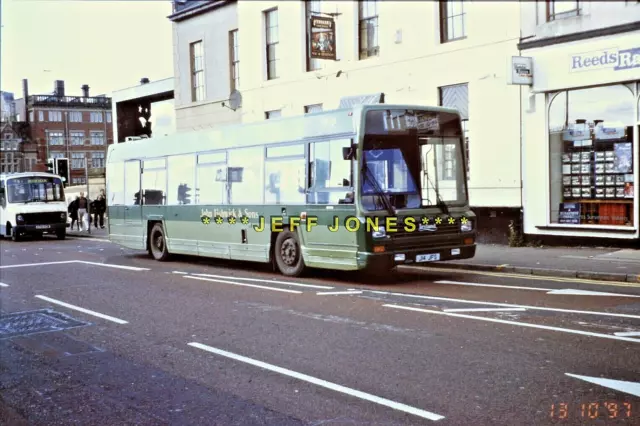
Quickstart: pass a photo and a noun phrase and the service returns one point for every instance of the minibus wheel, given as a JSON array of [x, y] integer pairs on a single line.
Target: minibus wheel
[[288, 254], [157, 243]]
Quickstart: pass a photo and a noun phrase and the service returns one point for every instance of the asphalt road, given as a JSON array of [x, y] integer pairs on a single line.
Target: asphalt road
[[207, 342]]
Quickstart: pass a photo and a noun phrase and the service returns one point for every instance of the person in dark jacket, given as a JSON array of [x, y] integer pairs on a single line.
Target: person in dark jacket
[[98, 208], [73, 212]]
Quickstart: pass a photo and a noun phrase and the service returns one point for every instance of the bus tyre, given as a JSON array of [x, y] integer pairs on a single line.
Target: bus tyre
[[62, 234], [288, 254], [157, 243], [15, 236]]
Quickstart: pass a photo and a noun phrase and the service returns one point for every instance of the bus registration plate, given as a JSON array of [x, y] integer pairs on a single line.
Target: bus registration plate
[[428, 257], [43, 226]]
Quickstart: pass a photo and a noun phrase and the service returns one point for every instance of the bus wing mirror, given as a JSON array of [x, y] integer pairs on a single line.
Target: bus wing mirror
[[349, 152]]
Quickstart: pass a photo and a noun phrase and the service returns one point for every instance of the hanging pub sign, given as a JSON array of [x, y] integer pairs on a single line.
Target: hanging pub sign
[[323, 38]]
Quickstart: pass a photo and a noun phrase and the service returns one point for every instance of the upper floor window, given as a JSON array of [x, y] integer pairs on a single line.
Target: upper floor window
[[77, 138], [272, 37], [234, 60], [7, 136], [368, 26], [31, 116], [77, 160], [56, 138], [97, 138], [75, 116], [562, 9], [96, 117], [312, 7], [452, 20], [196, 54], [272, 114], [40, 115], [55, 116], [108, 117], [457, 97]]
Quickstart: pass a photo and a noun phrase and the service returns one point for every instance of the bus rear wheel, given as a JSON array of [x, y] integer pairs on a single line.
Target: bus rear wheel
[[288, 254], [157, 243]]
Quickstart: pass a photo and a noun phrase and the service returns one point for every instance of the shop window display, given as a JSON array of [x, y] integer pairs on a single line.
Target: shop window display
[[591, 153]]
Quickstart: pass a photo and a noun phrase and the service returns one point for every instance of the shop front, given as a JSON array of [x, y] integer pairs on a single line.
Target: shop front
[[581, 124]]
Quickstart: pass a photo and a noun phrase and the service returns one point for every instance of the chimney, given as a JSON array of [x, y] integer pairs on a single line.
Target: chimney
[[59, 88], [144, 80], [85, 90]]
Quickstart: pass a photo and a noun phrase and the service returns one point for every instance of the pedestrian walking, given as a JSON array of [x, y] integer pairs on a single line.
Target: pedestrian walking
[[73, 212], [98, 207], [83, 204]]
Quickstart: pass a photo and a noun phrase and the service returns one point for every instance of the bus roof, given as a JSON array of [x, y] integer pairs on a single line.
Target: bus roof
[[5, 176], [331, 123]]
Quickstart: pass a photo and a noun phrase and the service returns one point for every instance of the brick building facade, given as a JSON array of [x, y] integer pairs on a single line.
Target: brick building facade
[[75, 127]]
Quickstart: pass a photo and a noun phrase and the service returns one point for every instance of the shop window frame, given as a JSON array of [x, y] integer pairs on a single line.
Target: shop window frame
[[634, 88]]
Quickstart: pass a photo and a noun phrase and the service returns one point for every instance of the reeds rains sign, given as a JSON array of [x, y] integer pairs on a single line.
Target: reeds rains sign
[[613, 58]]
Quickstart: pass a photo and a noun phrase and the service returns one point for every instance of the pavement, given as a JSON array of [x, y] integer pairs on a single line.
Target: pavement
[[93, 333], [603, 264]]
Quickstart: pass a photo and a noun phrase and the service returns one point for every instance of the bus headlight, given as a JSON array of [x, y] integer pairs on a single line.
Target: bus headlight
[[19, 218], [466, 227], [380, 233], [63, 215]]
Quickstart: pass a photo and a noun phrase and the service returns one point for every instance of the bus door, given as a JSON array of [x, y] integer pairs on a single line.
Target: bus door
[[133, 226]]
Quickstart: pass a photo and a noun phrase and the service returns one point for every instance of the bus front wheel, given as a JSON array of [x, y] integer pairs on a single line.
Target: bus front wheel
[[288, 254], [157, 243]]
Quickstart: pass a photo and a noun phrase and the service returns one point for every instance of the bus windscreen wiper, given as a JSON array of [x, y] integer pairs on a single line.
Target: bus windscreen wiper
[[439, 201], [376, 186]]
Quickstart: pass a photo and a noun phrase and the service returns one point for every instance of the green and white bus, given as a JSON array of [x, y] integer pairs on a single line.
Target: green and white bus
[[368, 188]]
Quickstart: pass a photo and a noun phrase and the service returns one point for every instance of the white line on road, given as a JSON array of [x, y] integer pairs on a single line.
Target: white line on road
[[513, 287], [264, 281], [566, 291], [86, 311], [327, 293], [338, 388], [24, 265], [485, 310], [179, 272], [284, 290], [129, 268], [4, 285], [627, 333], [576, 292], [521, 324], [538, 308], [61, 262], [632, 388]]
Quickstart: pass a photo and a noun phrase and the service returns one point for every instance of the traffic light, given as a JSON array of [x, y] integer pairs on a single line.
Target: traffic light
[[183, 194], [62, 169], [51, 166]]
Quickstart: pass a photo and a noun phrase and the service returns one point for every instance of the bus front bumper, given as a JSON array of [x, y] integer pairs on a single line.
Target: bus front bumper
[[414, 257], [39, 229]]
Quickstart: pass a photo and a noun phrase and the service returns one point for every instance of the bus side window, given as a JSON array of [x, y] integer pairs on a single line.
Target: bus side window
[[3, 199], [331, 175]]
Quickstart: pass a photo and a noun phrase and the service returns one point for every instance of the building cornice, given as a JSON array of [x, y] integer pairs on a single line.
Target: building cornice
[[583, 35], [191, 11]]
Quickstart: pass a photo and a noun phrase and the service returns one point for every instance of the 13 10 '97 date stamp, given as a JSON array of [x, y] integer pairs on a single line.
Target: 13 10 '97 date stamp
[[596, 410]]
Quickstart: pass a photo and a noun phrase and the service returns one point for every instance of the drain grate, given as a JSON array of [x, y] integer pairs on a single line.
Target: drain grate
[[43, 320]]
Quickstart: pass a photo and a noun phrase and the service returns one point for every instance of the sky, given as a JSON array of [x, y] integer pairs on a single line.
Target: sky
[[109, 45]]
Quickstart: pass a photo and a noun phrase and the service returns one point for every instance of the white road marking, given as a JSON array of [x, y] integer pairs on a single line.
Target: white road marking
[[521, 324], [129, 268], [327, 293], [513, 287], [508, 305], [4, 285], [566, 291], [632, 388], [576, 292], [284, 290], [627, 333], [484, 310], [264, 281], [179, 272], [77, 308], [22, 265], [338, 388]]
